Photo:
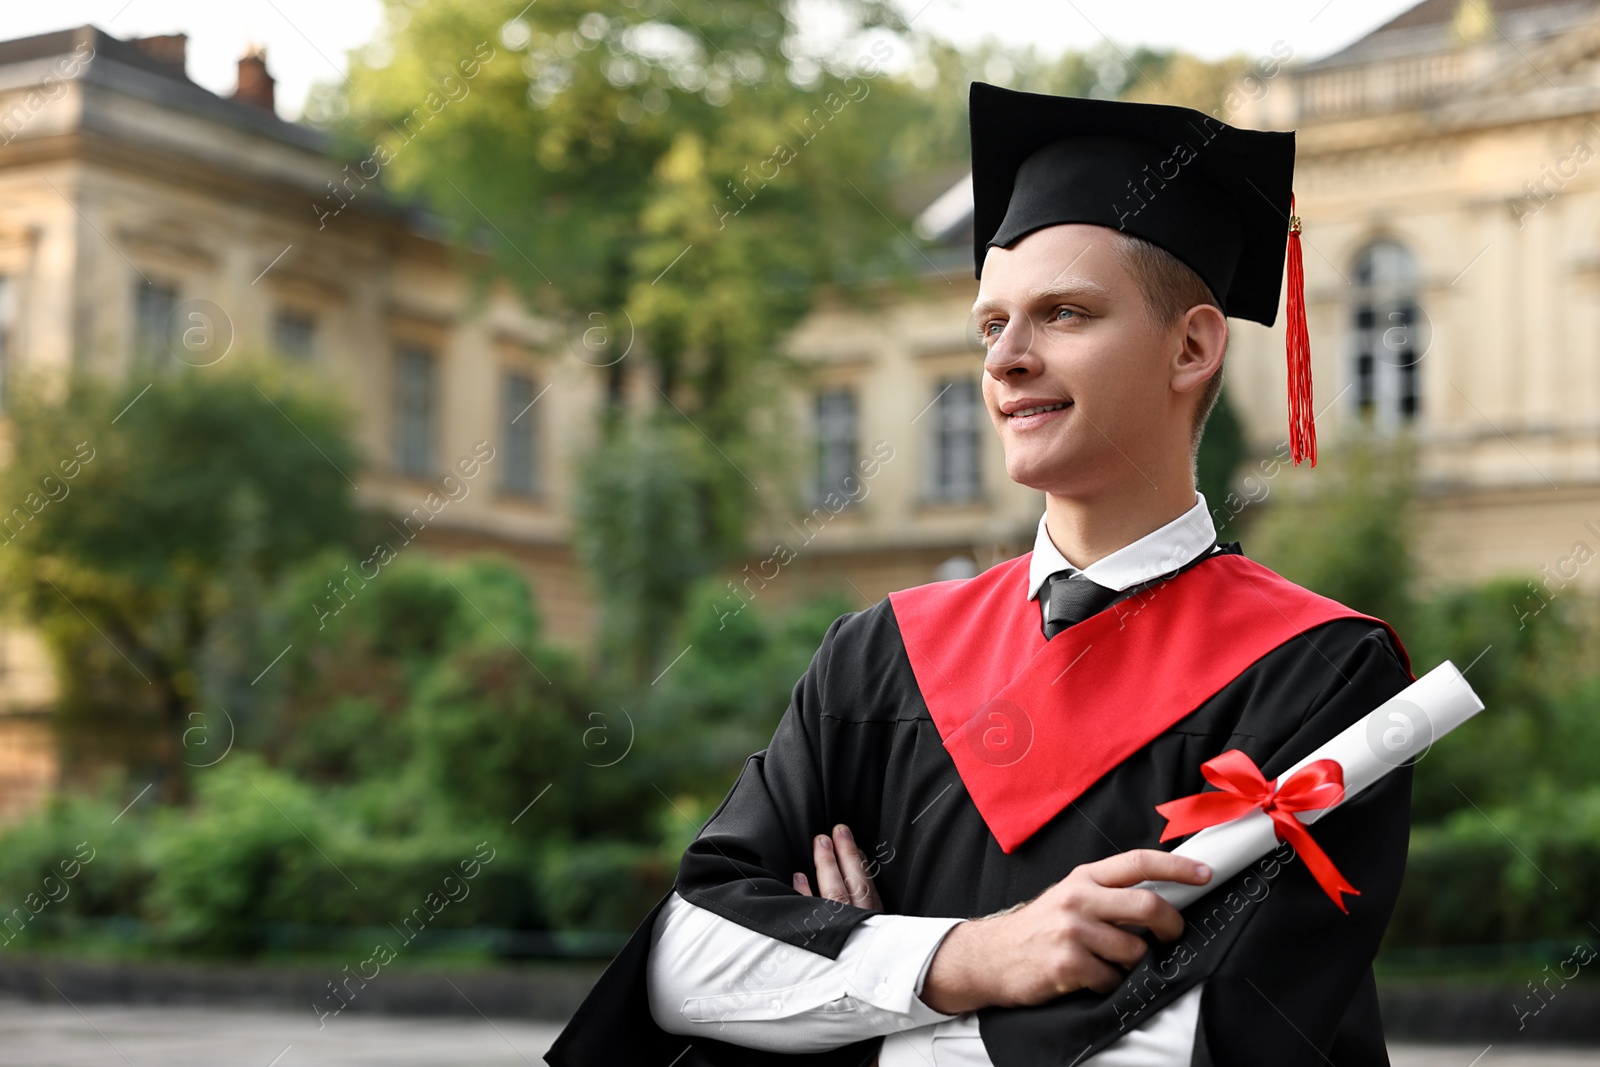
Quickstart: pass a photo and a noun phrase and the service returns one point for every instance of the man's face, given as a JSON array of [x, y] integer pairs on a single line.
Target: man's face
[[1066, 327]]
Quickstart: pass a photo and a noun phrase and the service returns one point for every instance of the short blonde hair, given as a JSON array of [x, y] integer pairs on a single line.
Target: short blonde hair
[[1170, 288]]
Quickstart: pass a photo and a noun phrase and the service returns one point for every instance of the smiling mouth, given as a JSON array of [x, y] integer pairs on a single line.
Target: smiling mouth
[[1023, 412]]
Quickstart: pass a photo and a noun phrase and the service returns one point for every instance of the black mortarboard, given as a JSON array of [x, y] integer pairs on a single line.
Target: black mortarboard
[[1215, 196]]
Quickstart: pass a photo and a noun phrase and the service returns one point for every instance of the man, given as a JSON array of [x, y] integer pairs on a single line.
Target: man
[[968, 771]]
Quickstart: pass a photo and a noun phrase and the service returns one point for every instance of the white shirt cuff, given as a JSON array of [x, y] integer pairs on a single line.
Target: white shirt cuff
[[895, 960]]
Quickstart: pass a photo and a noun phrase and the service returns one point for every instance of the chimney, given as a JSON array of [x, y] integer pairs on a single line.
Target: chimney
[[255, 84], [169, 49]]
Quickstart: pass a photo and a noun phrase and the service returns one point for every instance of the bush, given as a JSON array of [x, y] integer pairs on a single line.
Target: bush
[[149, 517], [605, 886], [70, 862], [722, 701], [1519, 873], [1504, 809], [1538, 683], [411, 732], [220, 867], [260, 849], [1349, 537]]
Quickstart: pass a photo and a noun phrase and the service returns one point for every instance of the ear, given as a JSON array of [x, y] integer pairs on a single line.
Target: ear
[[1203, 339]]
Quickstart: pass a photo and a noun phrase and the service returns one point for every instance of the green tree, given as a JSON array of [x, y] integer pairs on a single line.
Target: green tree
[[1345, 530], [678, 179], [143, 520]]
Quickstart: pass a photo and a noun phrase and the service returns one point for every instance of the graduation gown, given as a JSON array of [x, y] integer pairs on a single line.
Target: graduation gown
[[976, 765]]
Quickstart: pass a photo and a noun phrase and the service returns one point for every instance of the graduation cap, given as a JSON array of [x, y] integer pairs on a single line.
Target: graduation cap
[[1215, 196]]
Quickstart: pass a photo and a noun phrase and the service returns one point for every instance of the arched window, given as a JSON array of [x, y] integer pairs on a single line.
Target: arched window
[[1386, 326]]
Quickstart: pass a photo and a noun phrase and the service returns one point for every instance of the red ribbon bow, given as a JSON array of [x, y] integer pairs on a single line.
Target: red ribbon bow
[[1242, 789]]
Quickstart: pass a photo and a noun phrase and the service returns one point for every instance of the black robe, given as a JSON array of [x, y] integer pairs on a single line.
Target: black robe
[[1288, 975]]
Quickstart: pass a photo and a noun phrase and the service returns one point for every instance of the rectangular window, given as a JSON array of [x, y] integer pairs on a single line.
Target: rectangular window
[[294, 333], [154, 304], [836, 444], [414, 411], [952, 469], [1364, 385], [519, 463]]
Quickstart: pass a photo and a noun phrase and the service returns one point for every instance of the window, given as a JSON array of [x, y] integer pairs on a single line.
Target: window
[[414, 411], [836, 445], [294, 333], [952, 470], [519, 464], [154, 305], [1386, 324]]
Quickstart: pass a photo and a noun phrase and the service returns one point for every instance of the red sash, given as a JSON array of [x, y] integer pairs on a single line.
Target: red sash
[[1032, 724]]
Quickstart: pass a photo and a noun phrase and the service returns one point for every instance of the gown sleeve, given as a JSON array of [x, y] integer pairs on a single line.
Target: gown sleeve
[[1288, 976], [739, 867], [741, 863]]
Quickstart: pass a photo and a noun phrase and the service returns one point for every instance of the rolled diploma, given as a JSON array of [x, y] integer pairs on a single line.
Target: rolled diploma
[[1397, 730]]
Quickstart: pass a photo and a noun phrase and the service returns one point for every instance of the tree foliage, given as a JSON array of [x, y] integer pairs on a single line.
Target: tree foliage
[[673, 179], [1348, 535], [146, 519]]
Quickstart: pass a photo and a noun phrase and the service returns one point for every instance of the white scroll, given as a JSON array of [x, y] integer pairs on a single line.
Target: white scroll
[[1394, 733]]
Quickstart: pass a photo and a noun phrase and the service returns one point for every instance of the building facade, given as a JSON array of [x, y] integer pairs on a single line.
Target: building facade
[[900, 380], [146, 222], [1447, 180]]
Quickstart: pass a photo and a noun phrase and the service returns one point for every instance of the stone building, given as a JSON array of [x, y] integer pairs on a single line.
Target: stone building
[[1446, 174], [146, 221]]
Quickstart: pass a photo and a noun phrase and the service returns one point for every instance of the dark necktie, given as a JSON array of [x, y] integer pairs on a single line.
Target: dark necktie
[[1071, 599]]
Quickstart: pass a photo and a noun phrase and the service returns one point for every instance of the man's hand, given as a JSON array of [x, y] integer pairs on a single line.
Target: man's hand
[[1068, 937], [841, 872]]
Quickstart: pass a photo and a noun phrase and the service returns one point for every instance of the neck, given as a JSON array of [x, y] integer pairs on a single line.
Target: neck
[[1088, 529]]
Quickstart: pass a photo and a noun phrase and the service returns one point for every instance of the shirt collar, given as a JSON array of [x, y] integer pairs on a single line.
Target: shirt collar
[[1157, 552]]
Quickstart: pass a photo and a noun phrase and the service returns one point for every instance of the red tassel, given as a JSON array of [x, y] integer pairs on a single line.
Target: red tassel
[[1302, 420]]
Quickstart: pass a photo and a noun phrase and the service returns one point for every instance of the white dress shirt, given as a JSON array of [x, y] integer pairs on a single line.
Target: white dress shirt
[[1157, 552], [708, 976]]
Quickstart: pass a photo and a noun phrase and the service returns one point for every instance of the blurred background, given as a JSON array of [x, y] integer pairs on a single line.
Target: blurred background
[[436, 435]]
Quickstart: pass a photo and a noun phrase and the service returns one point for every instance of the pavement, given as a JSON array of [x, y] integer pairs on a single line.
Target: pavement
[[1499, 1055], [100, 1035]]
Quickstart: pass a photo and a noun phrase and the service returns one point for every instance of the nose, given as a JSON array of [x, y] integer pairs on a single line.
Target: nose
[[1012, 355]]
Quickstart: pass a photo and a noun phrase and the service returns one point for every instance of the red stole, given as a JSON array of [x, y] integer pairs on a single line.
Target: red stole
[[1032, 724]]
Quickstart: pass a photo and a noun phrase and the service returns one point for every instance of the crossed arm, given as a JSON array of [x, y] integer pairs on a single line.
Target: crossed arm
[[1069, 937]]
